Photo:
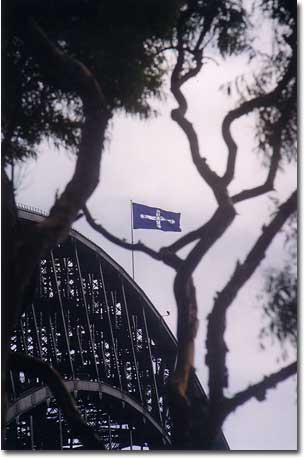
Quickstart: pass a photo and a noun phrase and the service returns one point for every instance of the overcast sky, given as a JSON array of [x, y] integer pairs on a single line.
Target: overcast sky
[[149, 162]]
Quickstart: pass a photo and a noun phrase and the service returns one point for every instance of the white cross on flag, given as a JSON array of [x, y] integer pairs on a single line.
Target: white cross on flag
[[154, 218]]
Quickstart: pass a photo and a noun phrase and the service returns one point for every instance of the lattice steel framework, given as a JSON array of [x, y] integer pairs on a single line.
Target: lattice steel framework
[[91, 322]]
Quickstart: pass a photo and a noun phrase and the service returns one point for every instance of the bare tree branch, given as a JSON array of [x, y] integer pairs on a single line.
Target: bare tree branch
[[264, 100], [186, 333], [8, 235], [184, 289], [179, 381], [76, 78], [243, 195], [275, 158], [201, 232], [178, 114], [259, 389], [51, 378], [186, 239], [69, 75], [164, 255], [187, 321], [216, 347], [210, 177], [210, 233], [268, 185], [185, 296], [191, 73]]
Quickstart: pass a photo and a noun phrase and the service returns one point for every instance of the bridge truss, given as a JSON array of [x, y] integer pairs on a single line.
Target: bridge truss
[[91, 322]]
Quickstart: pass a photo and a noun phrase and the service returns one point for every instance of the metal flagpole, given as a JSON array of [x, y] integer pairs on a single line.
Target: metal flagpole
[[131, 230]]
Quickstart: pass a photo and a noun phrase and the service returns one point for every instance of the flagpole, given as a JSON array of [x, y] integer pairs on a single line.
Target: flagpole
[[131, 230]]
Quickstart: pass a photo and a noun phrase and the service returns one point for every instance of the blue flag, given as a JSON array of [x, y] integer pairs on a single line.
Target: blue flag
[[154, 218]]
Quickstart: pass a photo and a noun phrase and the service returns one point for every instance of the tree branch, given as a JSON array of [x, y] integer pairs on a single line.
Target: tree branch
[[178, 114], [185, 296], [199, 233], [70, 74], [51, 378], [186, 239], [209, 234], [276, 143], [216, 347], [168, 257], [8, 259], [187, 321], [259, 389], [210, 177], [264, 100], [179, 381], [67, 74], [268, 185]]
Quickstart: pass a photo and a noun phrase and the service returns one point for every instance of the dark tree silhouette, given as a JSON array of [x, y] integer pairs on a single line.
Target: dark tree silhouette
[[279, 297], [69, 66], [276, 136]]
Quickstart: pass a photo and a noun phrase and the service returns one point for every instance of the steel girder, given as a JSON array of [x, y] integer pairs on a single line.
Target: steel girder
[[93, 323]]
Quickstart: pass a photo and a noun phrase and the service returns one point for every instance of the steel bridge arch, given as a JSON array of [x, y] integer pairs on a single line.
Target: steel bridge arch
[[97, 327]]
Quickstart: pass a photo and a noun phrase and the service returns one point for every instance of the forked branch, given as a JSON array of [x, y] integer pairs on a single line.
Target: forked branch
[[216, 347], [259, 389], [51, 378], [265, 100], [268, 185], [67, 74], [178, 78]]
